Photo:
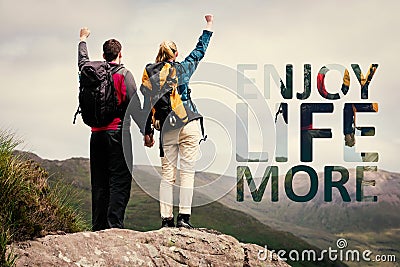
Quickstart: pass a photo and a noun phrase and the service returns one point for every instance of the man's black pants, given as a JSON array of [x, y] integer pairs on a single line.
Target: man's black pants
[[110, 178]]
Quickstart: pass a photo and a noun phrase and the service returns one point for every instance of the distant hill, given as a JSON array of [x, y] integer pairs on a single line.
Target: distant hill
[[365, 225], [243, 159], [335, 216], [143, 211]]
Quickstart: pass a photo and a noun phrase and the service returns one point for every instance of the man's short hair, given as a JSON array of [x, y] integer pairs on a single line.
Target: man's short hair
[[111, 49]]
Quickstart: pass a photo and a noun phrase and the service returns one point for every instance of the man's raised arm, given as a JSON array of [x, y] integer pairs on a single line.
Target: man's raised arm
[[83, 55]]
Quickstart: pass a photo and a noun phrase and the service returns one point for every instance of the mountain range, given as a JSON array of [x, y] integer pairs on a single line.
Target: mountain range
[[280, 225]]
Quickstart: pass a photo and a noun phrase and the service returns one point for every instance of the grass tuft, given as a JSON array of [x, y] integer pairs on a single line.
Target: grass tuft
[[29, 207]]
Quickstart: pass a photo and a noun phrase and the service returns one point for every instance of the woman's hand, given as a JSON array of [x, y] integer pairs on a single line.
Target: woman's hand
[[209, 19], [148, 140]]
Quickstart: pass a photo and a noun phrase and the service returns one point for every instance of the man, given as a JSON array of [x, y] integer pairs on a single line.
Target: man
[[110, 171]]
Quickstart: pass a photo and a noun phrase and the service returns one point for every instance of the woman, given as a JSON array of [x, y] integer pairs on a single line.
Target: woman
[[183, 140]]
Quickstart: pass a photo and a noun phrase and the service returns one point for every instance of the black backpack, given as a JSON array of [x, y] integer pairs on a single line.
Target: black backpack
[[98, 103]]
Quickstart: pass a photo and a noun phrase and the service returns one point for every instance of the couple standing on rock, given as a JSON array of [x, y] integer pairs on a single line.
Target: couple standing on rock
[[110, 172]]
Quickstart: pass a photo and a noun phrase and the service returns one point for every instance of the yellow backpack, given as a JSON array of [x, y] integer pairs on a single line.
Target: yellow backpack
[[160, 83]]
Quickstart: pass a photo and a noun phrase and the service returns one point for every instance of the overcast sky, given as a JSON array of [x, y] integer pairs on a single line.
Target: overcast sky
[[39, 82]]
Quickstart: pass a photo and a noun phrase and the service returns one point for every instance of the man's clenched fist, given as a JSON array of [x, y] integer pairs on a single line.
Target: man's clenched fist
[[84, 33]]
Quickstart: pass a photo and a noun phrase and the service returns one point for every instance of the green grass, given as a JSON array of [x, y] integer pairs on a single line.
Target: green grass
[[7, 258], [29, 207]]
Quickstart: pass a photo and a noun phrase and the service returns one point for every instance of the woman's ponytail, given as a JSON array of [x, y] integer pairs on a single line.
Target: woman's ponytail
[[166, 52]]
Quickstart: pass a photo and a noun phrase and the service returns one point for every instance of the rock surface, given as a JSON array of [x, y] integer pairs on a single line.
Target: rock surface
[[120, 247]]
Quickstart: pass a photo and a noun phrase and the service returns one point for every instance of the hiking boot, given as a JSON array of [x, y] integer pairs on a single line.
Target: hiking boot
[[183, 221], [167, 222], [349, 140]]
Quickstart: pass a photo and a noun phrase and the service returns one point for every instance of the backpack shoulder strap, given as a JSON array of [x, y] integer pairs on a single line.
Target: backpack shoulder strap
[[124, 72], [202, 131], [117, 68]]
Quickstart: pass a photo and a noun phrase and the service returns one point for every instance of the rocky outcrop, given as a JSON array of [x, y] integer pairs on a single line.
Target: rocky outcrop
[[120, 247]]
